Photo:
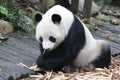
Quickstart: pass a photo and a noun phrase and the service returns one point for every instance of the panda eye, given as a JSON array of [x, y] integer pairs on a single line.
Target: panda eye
[[41, 39], [52, 39]]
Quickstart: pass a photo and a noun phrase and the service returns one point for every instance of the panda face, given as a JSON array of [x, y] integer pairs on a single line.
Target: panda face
[[49, 32]]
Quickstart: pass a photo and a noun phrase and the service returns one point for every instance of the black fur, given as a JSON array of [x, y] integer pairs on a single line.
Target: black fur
[[41, 48], [67, 51], [38, 17], [104, 59], [56, 18], [64, 3]]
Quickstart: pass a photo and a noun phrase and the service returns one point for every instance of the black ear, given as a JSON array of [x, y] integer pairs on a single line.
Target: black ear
[[38, 17], [56, 18]]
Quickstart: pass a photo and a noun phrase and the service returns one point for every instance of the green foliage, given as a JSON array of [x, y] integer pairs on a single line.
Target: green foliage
[[107, 1], [102, 2], [3, 10], [12, 11], [106, 18], [90, 27], [113, 2], [17, 18]]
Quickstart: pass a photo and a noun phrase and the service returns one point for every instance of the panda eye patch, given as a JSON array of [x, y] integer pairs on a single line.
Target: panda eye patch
[[41, 39], [52, 39]]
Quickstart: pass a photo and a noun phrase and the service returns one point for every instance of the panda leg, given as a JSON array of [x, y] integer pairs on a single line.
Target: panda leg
[[105, 57]]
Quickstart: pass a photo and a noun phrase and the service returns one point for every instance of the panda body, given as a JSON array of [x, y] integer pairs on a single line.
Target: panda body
[[65, 40]]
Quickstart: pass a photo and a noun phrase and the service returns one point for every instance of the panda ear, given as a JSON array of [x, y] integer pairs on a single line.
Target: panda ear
[[38, 17], [56, 18]]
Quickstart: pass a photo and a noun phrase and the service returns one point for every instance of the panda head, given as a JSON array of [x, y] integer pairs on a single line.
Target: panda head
[[49, 31]]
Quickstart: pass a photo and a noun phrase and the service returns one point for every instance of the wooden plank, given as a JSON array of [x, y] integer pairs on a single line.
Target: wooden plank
[[109, 29], [26, 39], [15, 51]]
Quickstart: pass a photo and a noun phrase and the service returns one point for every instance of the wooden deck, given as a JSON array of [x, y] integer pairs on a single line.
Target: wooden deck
[[20, 48], [23, 48]]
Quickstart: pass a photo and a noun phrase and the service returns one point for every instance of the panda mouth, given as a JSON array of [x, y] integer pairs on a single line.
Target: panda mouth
[[46, 52]]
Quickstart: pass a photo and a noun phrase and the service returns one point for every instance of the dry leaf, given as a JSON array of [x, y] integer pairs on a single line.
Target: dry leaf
[[109, 36]]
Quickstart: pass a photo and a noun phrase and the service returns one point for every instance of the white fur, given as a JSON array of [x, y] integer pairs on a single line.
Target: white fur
[[47, 28], [90, 52]]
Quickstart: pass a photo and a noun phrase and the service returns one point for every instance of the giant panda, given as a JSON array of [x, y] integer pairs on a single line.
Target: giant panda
[[65, 40]]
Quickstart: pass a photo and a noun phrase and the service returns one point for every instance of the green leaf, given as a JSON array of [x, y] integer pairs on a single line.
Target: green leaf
[[90, 27], [3, 10], [106, 18]]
